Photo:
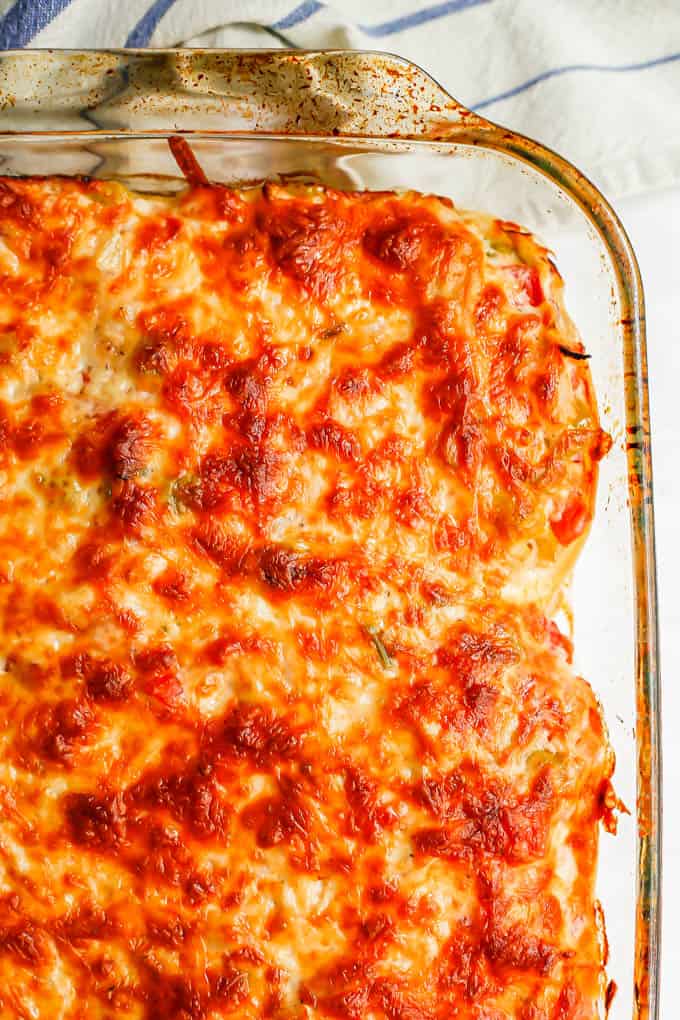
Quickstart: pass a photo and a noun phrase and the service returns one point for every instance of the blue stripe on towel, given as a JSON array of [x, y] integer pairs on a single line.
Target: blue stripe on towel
[[25, 19], [420, 17], [298, 15], [555, 72], [146, 26]]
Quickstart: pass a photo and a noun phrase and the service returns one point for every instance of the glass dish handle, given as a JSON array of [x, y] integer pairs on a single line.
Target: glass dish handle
[[336, 92]]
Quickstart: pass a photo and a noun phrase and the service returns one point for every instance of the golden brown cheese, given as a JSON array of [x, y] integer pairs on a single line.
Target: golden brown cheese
[[290, 482]]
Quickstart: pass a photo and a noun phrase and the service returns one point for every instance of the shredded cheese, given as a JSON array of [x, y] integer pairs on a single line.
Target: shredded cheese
[[290, 481]]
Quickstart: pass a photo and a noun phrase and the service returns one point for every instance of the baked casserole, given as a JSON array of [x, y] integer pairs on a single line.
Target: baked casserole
[[291, 483]]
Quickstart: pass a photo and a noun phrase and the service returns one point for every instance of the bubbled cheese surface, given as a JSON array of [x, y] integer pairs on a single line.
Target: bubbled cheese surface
[[290, 481]]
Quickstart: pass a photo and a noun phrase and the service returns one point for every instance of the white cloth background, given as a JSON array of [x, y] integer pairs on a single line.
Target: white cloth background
[[597, 80]]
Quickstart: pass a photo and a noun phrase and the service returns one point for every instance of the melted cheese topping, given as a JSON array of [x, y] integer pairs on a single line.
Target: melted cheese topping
[[290, 480]]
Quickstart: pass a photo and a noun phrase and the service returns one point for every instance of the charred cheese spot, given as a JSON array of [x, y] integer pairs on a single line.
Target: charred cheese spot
[[289, 481]]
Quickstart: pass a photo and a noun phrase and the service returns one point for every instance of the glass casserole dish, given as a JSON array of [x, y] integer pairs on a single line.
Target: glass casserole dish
[[372, 121]]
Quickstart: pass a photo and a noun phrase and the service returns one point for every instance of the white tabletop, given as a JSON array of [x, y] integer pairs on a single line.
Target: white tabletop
[[653, 223]]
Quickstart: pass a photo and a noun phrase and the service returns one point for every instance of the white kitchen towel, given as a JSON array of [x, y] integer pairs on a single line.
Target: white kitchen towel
[[597, 80]]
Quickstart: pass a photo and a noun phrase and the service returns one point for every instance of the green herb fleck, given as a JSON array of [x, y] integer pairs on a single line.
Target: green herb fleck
[[537, 759], [384, 656], [178, 490], [498, 247]]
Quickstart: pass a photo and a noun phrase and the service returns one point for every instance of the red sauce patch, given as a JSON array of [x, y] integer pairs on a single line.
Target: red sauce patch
[[157, 234], [333, 438], [250, 471], [25, 942], [108, 682], [134, 505], [115, 445], [172, 585], [129, 447], [401, 243], [31, 436], [527, 288], [191, 796], [280, 819], [307, 242], [571, 522], [227, 551], [481, 815], [368, 814], [489, 304], [98, 823], [65, 729], [290, 572], [399, 1004], [255, 734]]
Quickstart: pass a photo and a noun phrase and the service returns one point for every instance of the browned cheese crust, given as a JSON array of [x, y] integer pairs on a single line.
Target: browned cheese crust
[[290, 482]]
